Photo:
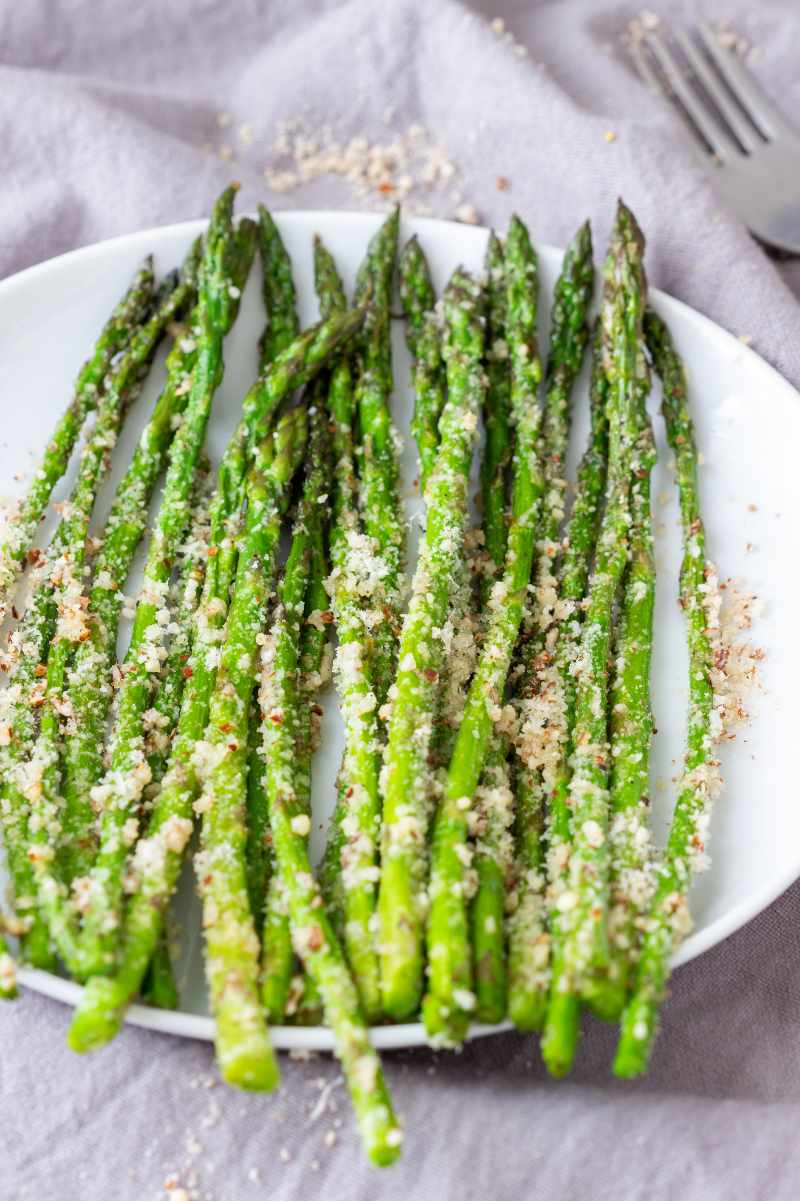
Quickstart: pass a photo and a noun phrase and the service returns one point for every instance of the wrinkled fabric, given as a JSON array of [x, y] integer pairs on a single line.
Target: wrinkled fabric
[[109, 124]]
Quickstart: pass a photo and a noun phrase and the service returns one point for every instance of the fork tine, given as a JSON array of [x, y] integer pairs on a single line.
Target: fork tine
[[747, 134], [646, 72], [764, 114], [713, 134]]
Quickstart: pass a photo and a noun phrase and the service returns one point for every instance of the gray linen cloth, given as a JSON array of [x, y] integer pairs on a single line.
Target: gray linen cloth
[[109, 124]]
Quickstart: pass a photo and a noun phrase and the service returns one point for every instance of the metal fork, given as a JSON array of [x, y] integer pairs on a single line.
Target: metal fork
[[754, 151]]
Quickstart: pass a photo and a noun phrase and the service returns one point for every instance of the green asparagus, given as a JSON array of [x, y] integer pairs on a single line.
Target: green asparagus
[[129, 314], [157, 860], [243, 1047], [22, 779], [311, 928], [406, 784], [119, 793], [540, 686], [450, 999], [425, 344], [378, 493], [563, 1013], [668, 916]]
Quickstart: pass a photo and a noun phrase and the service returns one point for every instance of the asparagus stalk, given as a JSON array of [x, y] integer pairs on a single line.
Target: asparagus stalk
[[313, 934], [119, 793], [406, 783], [586, 948], [450, 998], [74, 628], [117, 333], [496, 415], [259, 839], [89, 691], [667, 917], [23, 781], [243, 1048], [631, 849], [424, 343], [162, 719], [563, 1013], [494, 801], [356, 590], [280, 300], [540, 686], [378, 494], [156, 863], [491, 828], [345, 529], [265, 895], [277, 958], [159, 988]]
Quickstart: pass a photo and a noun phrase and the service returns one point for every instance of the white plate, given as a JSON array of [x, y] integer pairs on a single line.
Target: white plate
[[748, 425]]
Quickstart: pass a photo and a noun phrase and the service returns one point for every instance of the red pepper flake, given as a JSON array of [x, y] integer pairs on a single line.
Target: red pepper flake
[[41, 670], [385, 188], [212, 551], [315, 938], [187, 673], [34, 556], [276, 719], [225, 727], [326, 617], [503, 183], [430, 675]]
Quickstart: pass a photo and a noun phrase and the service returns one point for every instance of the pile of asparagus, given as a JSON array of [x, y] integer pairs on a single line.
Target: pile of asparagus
[[489, 854]]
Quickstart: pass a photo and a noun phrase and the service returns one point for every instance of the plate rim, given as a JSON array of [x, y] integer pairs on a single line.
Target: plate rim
[[199, 1026]]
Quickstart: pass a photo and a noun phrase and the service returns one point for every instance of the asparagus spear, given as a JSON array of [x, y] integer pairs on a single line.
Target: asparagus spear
[[424, 343], [578, 853], [311, 928], [631, 850], [73, 630], [356, 590], [162, 719], [118, 795], [667, 918], [157, 860], [116, 334], [496, 415], [450, 998], [90, 693], [563, 1014], [378, 494], [491, 827], [243, 1048], [159, 988], [494, 800], [23, 781], [278, 290], [406, 786], [265, 895], [586, 949], [277, 958], [540, 683], [345, 522]]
